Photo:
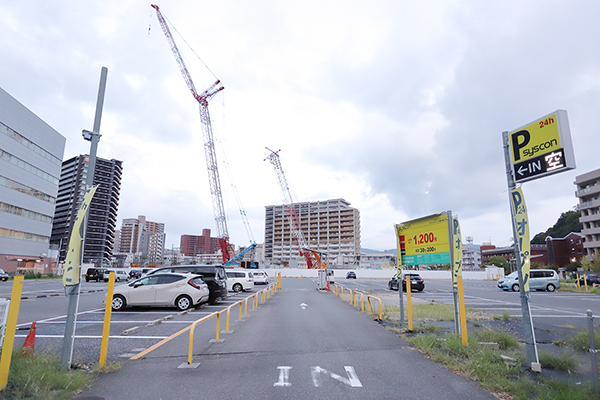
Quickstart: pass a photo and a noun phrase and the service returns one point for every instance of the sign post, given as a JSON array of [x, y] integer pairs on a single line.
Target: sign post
[[538, 149], [426, 241]]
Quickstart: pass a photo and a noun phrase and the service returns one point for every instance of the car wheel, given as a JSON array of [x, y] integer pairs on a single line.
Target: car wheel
[[237, 288], [516, 288], [550, 287], [183, 302], [87, 280], [118, 302]]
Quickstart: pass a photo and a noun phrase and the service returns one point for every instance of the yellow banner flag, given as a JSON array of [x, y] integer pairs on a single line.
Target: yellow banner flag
[[517, 202], [73, 260], [457, 248]]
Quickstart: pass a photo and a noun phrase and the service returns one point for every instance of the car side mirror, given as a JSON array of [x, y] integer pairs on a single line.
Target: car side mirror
[[137, 284]]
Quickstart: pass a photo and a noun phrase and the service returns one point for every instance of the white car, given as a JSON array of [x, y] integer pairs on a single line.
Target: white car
[[120, 275], [239, 280], [260, 277], [180, 290]]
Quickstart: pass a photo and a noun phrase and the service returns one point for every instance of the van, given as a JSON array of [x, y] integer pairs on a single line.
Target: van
[[239, 280], [539, 279], [214, 276]]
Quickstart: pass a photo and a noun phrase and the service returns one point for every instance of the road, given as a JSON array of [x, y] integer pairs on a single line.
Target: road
[[300, 344]]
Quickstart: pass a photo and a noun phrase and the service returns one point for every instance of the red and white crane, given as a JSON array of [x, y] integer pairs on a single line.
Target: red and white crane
[[209, 144], [291, 212]]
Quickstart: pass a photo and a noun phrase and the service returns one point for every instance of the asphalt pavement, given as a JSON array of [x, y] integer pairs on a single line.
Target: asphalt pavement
[[299, 344]]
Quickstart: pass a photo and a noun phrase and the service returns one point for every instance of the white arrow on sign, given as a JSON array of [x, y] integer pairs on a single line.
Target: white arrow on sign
[[303, 305]]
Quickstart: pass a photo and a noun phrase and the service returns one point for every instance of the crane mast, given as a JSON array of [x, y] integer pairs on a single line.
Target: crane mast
[[209, 144], [291, 212]]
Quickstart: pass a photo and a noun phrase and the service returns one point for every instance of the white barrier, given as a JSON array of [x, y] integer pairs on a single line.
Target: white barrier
[[378, 273]]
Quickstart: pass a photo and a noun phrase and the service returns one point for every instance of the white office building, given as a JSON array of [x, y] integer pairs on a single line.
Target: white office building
[[31, 155]]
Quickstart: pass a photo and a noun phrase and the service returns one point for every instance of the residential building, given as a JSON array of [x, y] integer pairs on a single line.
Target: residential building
[[539, 253], [102, 215], [471, 255], [192, 245], [566, 250], [31, 154], [588, 193], [331, 227], [143, 238]]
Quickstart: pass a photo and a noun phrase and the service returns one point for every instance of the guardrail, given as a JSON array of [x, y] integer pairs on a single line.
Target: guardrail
[[341, 292], [263, 295]]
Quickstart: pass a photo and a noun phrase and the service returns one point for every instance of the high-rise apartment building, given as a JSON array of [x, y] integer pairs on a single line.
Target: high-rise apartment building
[[329, 226], [30, 160], [588, 193], [145, 238], [102, 216], [192, 245]]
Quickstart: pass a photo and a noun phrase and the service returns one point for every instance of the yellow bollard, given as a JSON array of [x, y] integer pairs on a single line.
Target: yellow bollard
[[218, 325], [11, 327], [107, 314], [463, 311], [227, 321], [241, 311]]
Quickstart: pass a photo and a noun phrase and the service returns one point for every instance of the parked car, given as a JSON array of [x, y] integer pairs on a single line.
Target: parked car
[[260, 277], [135, 274], [539, 279], [120, 275], [213, 275], [351, 275], [3, 275], [165, 289], [239, 280], [592, 279], [416, 282], [95, 274]]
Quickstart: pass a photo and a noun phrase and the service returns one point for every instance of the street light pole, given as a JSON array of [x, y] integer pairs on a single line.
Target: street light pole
[[72, 291]]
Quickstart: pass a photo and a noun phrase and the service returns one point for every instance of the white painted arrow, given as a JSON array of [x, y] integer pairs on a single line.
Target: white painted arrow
[[303, 305]]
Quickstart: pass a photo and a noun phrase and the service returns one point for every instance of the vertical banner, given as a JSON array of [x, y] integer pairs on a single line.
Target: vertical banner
[[519, 211], [457, 248], [73, 260]]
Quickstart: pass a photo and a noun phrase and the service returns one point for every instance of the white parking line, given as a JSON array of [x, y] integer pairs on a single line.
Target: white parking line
[[96, 337]]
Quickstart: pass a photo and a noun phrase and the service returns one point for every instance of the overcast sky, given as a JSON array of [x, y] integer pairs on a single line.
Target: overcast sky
[[397, 107]]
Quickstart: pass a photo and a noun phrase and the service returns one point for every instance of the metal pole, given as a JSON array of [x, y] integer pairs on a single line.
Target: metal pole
[[399, 276], [72, 292], [590, 319], [454, 281], [530, 344]]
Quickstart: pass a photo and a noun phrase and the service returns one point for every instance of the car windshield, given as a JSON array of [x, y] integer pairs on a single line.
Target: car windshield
[[512, 275]]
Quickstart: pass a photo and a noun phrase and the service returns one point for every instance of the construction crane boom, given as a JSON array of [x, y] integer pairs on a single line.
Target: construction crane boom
[[209, 144], [293, 218]]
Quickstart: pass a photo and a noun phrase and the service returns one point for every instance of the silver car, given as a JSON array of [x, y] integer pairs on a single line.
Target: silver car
[[539, 279], [180, 290]]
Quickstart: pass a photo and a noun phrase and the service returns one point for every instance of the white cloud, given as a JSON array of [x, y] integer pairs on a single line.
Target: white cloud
[[396, 107]]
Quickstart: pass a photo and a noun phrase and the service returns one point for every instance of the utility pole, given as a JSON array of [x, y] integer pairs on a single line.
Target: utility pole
[[72, 291]]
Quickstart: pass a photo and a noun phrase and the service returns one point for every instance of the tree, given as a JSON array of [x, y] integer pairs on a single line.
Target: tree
[[567, 222], [500, 262], [591, 265]]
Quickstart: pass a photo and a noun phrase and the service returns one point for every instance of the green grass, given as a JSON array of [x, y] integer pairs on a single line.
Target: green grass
[[485, 365], [431, 312], [487, 368], [562, 362], [41, 377], [581, 341]]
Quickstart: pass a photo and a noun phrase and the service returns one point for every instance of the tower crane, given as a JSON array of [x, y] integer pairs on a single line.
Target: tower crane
[[209, 144], [291, 212]]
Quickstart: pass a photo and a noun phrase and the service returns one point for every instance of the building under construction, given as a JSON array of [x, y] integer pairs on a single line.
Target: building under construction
[[331, 227]]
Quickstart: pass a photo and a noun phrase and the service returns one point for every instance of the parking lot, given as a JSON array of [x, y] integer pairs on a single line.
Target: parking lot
[[558, 308], [131, 330]]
